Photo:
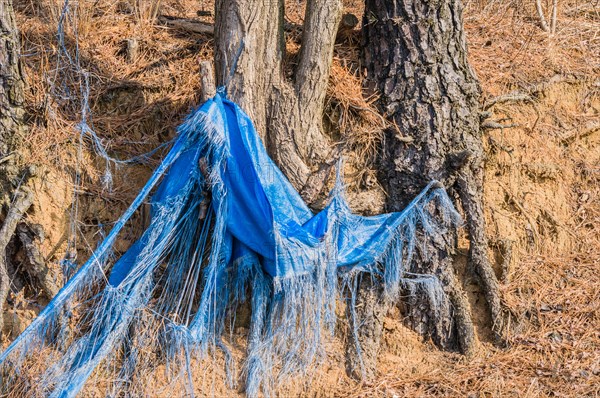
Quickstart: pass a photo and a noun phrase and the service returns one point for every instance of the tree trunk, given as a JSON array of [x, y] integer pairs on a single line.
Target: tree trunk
[[12, 129], [415, 56], [12, 86], [287, 112]]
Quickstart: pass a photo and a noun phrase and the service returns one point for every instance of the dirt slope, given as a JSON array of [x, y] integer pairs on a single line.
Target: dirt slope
[[542, 187]]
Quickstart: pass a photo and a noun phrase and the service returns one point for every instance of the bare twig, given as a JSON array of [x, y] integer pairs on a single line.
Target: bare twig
[[540, 11], [510, 97], [187, 24], [553, 18], [514, 96], [492, 125]]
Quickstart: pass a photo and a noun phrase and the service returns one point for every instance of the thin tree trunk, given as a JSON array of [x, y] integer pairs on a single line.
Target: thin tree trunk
[[540, 11], [415, 57], [553, 18]]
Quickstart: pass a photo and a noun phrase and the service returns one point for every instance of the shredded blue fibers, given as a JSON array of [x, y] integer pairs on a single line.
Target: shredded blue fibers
[[225, 224]]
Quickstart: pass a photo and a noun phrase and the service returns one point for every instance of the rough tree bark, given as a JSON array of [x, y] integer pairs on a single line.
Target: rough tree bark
[[15, 196], [370, 314], [287, 112], [12, 85], [415, 56]]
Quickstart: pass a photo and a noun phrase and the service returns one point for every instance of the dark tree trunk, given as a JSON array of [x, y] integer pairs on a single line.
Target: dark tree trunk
[[12, 85], [12, 129], [415, 56]]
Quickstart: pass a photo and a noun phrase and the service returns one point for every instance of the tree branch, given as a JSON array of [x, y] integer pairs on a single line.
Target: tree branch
[[321, 23], [187, 24], [553, 18], [540, 11]]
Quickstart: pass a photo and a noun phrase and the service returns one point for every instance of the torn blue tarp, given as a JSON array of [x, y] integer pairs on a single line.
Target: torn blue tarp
[[225, 223]]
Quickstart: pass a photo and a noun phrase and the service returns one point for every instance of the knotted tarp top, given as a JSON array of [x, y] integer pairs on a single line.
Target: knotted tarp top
[[227, 226]]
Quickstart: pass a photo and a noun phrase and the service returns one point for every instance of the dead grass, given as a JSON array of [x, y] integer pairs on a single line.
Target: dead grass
[[551, 351], [549, 164]]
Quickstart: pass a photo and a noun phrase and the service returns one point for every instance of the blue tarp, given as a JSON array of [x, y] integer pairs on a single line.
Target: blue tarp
[[225, 223]]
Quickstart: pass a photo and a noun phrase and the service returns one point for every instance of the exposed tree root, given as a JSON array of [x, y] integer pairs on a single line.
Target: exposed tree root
[[21, 203], [472, 199], [365, 328], [37, 267]]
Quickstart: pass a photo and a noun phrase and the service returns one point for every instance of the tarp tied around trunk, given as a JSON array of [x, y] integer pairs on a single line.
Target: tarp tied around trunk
[[225, 223]]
